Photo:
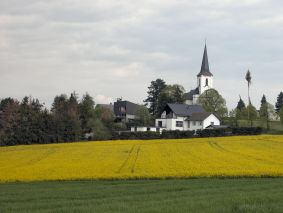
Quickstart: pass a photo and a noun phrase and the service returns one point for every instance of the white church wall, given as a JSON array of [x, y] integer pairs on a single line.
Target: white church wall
[[202, 86]]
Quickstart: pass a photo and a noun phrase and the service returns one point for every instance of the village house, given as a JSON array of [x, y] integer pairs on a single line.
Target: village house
[[185, 117]]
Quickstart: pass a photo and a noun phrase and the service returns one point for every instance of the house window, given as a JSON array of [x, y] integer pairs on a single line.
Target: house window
[[200, 123], [206, 82], [122, 109], [179, 123], [211, 123], [159, 123], [148, 129], [194, 123]]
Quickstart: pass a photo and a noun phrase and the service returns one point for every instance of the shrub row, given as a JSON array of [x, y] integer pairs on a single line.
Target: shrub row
[[214, 132], [176, 134], [247, 131]]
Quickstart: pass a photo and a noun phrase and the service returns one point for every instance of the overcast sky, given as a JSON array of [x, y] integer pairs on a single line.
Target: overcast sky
[[113, 48]]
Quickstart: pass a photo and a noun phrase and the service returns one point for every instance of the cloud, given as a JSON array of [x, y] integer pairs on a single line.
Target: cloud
[[116, 48], [103, 99]]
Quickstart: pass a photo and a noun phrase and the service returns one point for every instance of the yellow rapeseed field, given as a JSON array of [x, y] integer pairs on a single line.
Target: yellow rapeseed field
[[226, 156]]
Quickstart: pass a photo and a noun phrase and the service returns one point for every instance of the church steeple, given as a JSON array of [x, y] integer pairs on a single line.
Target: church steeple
[[204, 66]]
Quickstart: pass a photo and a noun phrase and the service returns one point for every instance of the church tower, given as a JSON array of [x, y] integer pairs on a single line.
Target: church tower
[[204, 81], [205, 77]]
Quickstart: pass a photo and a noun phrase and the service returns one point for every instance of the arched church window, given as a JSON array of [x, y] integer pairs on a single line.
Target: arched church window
[[206, 82]]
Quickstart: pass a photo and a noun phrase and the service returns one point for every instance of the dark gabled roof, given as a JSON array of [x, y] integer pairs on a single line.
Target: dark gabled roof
[[205, 65], [199, 116], [129, 107], [184, 109], [189, 95]]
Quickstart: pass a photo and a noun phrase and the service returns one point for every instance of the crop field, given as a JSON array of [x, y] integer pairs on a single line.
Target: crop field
[[202, 195], [136, 159]]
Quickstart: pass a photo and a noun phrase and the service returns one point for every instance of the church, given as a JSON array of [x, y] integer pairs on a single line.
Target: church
[[204, 81], [191, 115]]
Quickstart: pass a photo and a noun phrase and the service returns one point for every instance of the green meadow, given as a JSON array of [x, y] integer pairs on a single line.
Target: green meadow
[[258, 195]]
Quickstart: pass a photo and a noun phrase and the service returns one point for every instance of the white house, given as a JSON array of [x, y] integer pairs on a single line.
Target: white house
[[204, 81], [185, 117]]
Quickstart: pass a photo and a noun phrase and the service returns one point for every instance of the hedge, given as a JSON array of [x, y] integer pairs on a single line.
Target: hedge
[[176, 134]]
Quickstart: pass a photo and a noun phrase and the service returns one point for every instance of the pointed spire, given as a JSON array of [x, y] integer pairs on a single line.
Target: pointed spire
[[205, 66]]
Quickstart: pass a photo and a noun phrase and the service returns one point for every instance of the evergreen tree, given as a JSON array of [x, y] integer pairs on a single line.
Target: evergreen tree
[[263, 111], [279, 102], [66, 117], [154, 91], [241, 105], [86, 110], [281, 115]]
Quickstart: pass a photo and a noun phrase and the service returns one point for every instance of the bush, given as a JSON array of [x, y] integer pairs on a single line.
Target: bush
[[174, 134], [247, 131], [138, 135], [214, 132]]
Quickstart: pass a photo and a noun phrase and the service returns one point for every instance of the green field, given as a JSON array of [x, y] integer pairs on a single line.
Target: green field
[[256, 195]]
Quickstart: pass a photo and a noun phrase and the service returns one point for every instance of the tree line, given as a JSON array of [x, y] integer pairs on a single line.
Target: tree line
[[159, 94], [69, 119]]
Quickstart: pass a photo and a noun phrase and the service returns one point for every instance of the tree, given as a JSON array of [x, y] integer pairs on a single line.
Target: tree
[[240, 111], [66, 116], [263, 111], [281, 115], [99, 130], [213, 102], [171, 94], [86, 111], [143, 116], [104, 114], [178, 93], [241, 104], [249, 81], [279, 102], [9, 118], [154, 91], [252, 114]]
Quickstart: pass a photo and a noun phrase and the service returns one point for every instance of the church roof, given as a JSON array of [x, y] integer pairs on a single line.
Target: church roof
[[205, 66], [190, 95]]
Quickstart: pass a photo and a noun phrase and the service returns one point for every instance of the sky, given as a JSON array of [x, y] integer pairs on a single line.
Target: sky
[[115, 48]]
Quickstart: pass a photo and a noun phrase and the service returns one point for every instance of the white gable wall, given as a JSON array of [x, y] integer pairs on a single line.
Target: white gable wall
[[208, 121]]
